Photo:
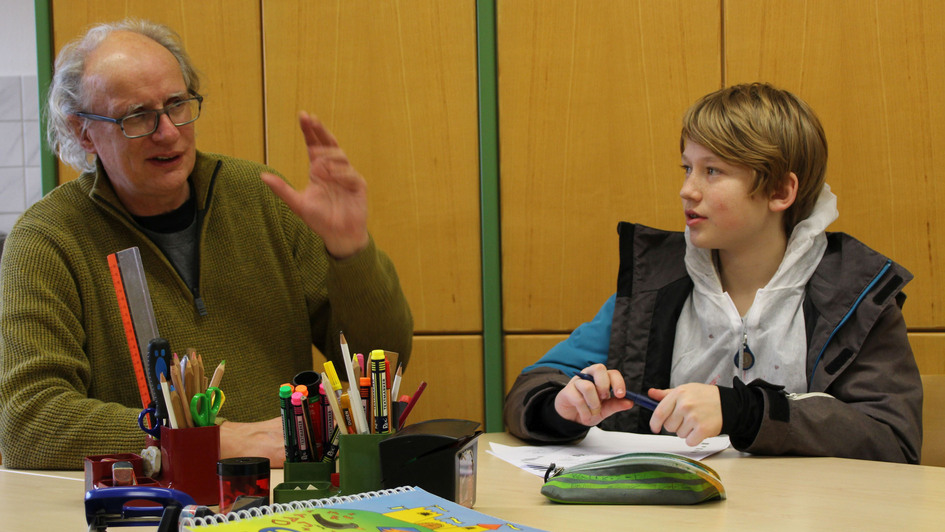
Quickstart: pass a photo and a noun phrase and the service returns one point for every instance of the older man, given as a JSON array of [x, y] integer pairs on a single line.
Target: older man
[[233, 271]]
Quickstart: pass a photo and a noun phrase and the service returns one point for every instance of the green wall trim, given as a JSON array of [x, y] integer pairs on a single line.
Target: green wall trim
[[494, 390], [44, 68]]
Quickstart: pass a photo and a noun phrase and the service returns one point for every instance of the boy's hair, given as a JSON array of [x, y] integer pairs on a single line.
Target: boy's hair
[[769, 130]]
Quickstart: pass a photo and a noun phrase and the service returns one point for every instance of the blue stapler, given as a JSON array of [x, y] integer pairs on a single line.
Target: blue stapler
[[106, 507]]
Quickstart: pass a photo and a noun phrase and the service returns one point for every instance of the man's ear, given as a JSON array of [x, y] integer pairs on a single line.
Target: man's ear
[[81, 134], [784, 196]]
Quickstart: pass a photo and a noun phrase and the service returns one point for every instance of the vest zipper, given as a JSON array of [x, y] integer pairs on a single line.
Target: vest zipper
[[201, 215]]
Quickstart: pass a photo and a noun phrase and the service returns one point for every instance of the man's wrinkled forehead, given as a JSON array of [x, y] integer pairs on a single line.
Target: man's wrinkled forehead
[[121, 63]]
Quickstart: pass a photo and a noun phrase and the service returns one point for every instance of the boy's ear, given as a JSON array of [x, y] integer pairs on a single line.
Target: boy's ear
[[784, 196]]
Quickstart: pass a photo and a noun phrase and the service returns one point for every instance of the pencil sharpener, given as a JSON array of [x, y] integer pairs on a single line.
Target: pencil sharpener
[[438, 455]]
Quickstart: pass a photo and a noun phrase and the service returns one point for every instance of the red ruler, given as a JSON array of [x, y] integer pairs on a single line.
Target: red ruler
[[127, 321]]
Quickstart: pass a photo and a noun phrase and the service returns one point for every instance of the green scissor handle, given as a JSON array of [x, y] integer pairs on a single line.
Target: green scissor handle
[[204, 406]]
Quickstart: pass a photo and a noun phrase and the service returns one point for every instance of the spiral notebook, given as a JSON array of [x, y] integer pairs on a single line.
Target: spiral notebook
[[401, 509]]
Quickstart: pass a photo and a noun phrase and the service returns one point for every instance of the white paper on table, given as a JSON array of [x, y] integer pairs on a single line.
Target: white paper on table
[[599, 444]]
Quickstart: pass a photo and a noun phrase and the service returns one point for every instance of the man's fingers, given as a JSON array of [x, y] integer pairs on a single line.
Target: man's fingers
[[289, 195], [316, 134]]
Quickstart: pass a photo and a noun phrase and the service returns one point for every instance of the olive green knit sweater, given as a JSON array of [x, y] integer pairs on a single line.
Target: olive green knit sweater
[[270, 290]]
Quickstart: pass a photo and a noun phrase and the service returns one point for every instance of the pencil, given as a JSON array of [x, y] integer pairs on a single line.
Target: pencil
[[185, 419], [395, 387], [335, 409], [217, 375], [169, 402], [355, 411], [190, 382]]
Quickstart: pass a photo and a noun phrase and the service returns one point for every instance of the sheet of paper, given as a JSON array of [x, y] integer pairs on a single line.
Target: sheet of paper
[[602, 444]]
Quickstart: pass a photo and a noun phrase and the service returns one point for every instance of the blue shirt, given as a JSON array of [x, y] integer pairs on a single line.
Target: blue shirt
[[587, 345]]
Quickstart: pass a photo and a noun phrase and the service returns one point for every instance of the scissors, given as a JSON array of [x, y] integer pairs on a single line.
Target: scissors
[[151, 413], [205, 405]]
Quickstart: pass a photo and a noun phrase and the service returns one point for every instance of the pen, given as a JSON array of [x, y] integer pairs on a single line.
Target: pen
[[637, 399], [410, 404]]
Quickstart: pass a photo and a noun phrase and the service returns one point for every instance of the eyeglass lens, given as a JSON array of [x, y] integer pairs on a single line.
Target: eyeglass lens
[[146, 122]]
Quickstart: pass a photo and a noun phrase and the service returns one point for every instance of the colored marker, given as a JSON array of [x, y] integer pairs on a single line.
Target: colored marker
[[379, 405], [331, 452], [347, 414], [298, 418], [311, 429], [365, 389], [288, 427], [328, 417]]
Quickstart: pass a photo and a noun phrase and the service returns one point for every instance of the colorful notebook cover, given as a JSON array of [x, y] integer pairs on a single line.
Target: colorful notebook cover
[[407, 509]]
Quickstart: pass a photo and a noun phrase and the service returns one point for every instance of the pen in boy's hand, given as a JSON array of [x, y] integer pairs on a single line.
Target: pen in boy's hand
[[637, 399]]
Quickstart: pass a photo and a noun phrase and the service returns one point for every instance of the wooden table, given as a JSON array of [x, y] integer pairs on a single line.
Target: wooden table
[[790, 493]]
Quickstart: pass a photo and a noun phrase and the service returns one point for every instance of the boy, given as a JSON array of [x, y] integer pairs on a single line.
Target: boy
[[755, 291]]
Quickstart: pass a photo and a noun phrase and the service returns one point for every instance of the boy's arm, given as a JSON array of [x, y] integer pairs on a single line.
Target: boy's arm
[[872, 410], [529, 407]]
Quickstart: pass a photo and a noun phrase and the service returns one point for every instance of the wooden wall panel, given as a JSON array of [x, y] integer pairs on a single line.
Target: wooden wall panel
[[929, 350], [396, 83], [875, 74], [523, 350], [452, 368], [224, 41], [590, 100]]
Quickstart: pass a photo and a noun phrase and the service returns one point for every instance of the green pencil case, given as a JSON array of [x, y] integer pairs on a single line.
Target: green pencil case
[[634, 478]]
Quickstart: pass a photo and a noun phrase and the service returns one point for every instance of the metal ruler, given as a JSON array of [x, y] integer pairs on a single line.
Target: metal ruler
[[137, 314]]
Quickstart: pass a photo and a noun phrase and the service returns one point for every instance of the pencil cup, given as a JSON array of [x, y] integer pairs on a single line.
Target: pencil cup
[[189, 462], [359, 462]]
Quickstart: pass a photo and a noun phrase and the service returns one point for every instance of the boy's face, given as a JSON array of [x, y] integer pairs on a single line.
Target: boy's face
[[719, 211]]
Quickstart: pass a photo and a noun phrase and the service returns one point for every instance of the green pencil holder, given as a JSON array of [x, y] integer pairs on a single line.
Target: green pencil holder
[[308, 471], [303, 491], [359, 462]]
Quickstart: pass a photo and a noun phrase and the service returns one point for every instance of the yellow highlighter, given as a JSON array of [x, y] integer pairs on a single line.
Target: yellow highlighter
[[333, 379]]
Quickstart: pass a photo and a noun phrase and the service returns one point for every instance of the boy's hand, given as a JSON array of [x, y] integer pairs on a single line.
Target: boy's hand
[[588, 403], [693, 411]]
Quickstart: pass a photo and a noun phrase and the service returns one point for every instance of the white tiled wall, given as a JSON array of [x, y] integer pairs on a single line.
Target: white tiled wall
[[20, 180]]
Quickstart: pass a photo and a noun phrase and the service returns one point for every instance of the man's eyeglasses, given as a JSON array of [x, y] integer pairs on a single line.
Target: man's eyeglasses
[[143, 123]]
